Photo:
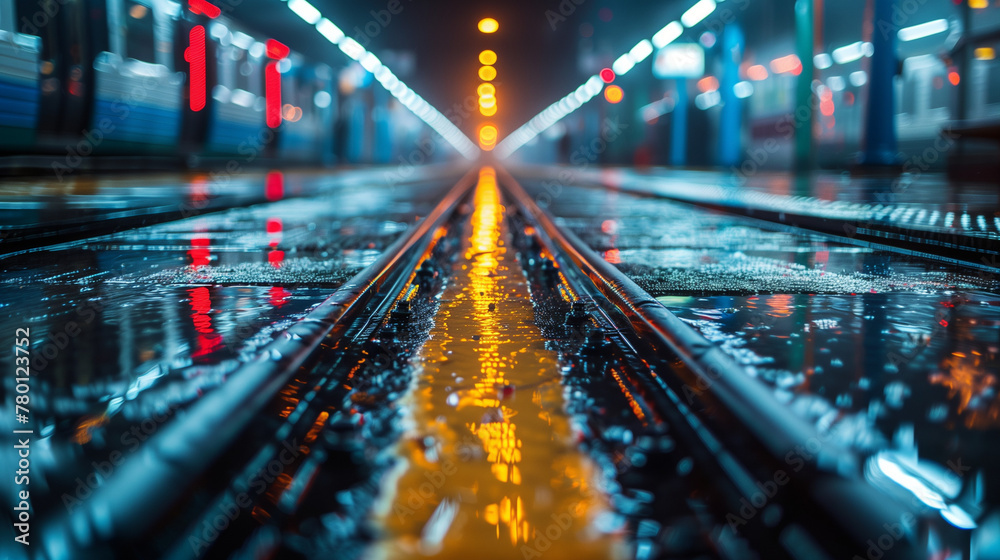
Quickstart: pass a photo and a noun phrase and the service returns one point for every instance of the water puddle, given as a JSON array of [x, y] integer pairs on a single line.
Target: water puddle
[[490, 466]]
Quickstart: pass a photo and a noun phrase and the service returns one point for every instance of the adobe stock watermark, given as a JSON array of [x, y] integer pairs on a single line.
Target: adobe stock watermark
[[417, 498], [58, 339], [381, 19], [250, 149], [233, 506], [562, 12], [581, 159], [93, 137], [902, 12], [132, 439], [425, 148]]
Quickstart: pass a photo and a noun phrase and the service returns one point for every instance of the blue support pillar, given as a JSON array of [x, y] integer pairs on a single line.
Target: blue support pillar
[[356, 130], [678, 126], [731, 117], [383, 126], [880, 118], [804, 27]]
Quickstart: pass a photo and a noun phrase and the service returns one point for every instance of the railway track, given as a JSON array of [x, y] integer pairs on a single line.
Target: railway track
[[420, 409]]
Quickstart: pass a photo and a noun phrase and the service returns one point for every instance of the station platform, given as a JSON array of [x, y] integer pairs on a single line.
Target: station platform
[[923, 214]]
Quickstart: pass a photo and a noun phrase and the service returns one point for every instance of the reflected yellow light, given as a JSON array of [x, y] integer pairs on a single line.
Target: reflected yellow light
[[985, 53], [488, 133], [488, 136], [516, 468], [487, 101], [488, 57], [488, 25], [488, 111], [486, 89], [487, 73]]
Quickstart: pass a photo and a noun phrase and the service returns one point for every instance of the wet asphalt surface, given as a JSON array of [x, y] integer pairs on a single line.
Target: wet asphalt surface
[[885, 353], [149, 319]]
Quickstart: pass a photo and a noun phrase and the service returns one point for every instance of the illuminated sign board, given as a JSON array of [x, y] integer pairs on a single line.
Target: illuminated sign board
[[679, 60]]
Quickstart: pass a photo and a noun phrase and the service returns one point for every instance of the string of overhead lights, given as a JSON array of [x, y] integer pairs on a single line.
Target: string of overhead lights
[[396, 87], [670, 33]]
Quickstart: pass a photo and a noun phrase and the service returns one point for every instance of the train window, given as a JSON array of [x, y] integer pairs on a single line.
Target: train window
[[245, 71], [305, 98], [35, 17], [993, 84], [139, 41]]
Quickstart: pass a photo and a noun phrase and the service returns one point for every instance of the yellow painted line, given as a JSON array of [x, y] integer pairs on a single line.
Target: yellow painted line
[[489, 469]]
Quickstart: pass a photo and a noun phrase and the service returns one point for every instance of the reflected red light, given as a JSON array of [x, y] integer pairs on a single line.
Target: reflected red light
[[757, 72], [785, 64], [201, 301], [274, 229], [272, 86], [608, 75], [708, 83], [201, 305], [195, 56], [276, 49], [200, 253], [276, 258], [273, 225], [954, 78], [612, 256], [204, 8], [278, 296], [826, 103], [274, 186]]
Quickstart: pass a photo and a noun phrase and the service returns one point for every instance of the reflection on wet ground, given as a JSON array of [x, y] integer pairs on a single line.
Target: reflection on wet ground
[[879, 350], [150, 319], [925, 202], [491, 470]]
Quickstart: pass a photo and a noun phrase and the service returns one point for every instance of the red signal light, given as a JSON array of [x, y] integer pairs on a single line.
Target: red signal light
[[272, 92], [202, 7], [608, 75], [195, 56], [276, 49]]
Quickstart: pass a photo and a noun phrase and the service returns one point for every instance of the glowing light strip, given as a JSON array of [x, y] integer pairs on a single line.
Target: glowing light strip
[[195, 56], [272, 90], [557, 111], [668, 34], [384, 76], [923, 30]]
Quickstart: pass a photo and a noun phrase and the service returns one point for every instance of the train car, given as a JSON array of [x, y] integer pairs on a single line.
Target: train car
[[135, 77], [234, 112], [137, 90], [307, 117], [20, 78]]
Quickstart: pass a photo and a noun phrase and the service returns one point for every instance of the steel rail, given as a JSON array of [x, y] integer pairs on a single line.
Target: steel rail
[[847, 512], [145, 486]]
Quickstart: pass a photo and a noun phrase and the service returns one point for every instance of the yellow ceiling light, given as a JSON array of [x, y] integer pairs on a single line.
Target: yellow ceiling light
[[488, 57], [488, 25], [486, 89], [487, 73]]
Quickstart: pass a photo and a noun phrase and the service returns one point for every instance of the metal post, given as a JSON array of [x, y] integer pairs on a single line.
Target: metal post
[[730, 119], [678, 126], [383, 126], [880, 119], [803, 86]]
